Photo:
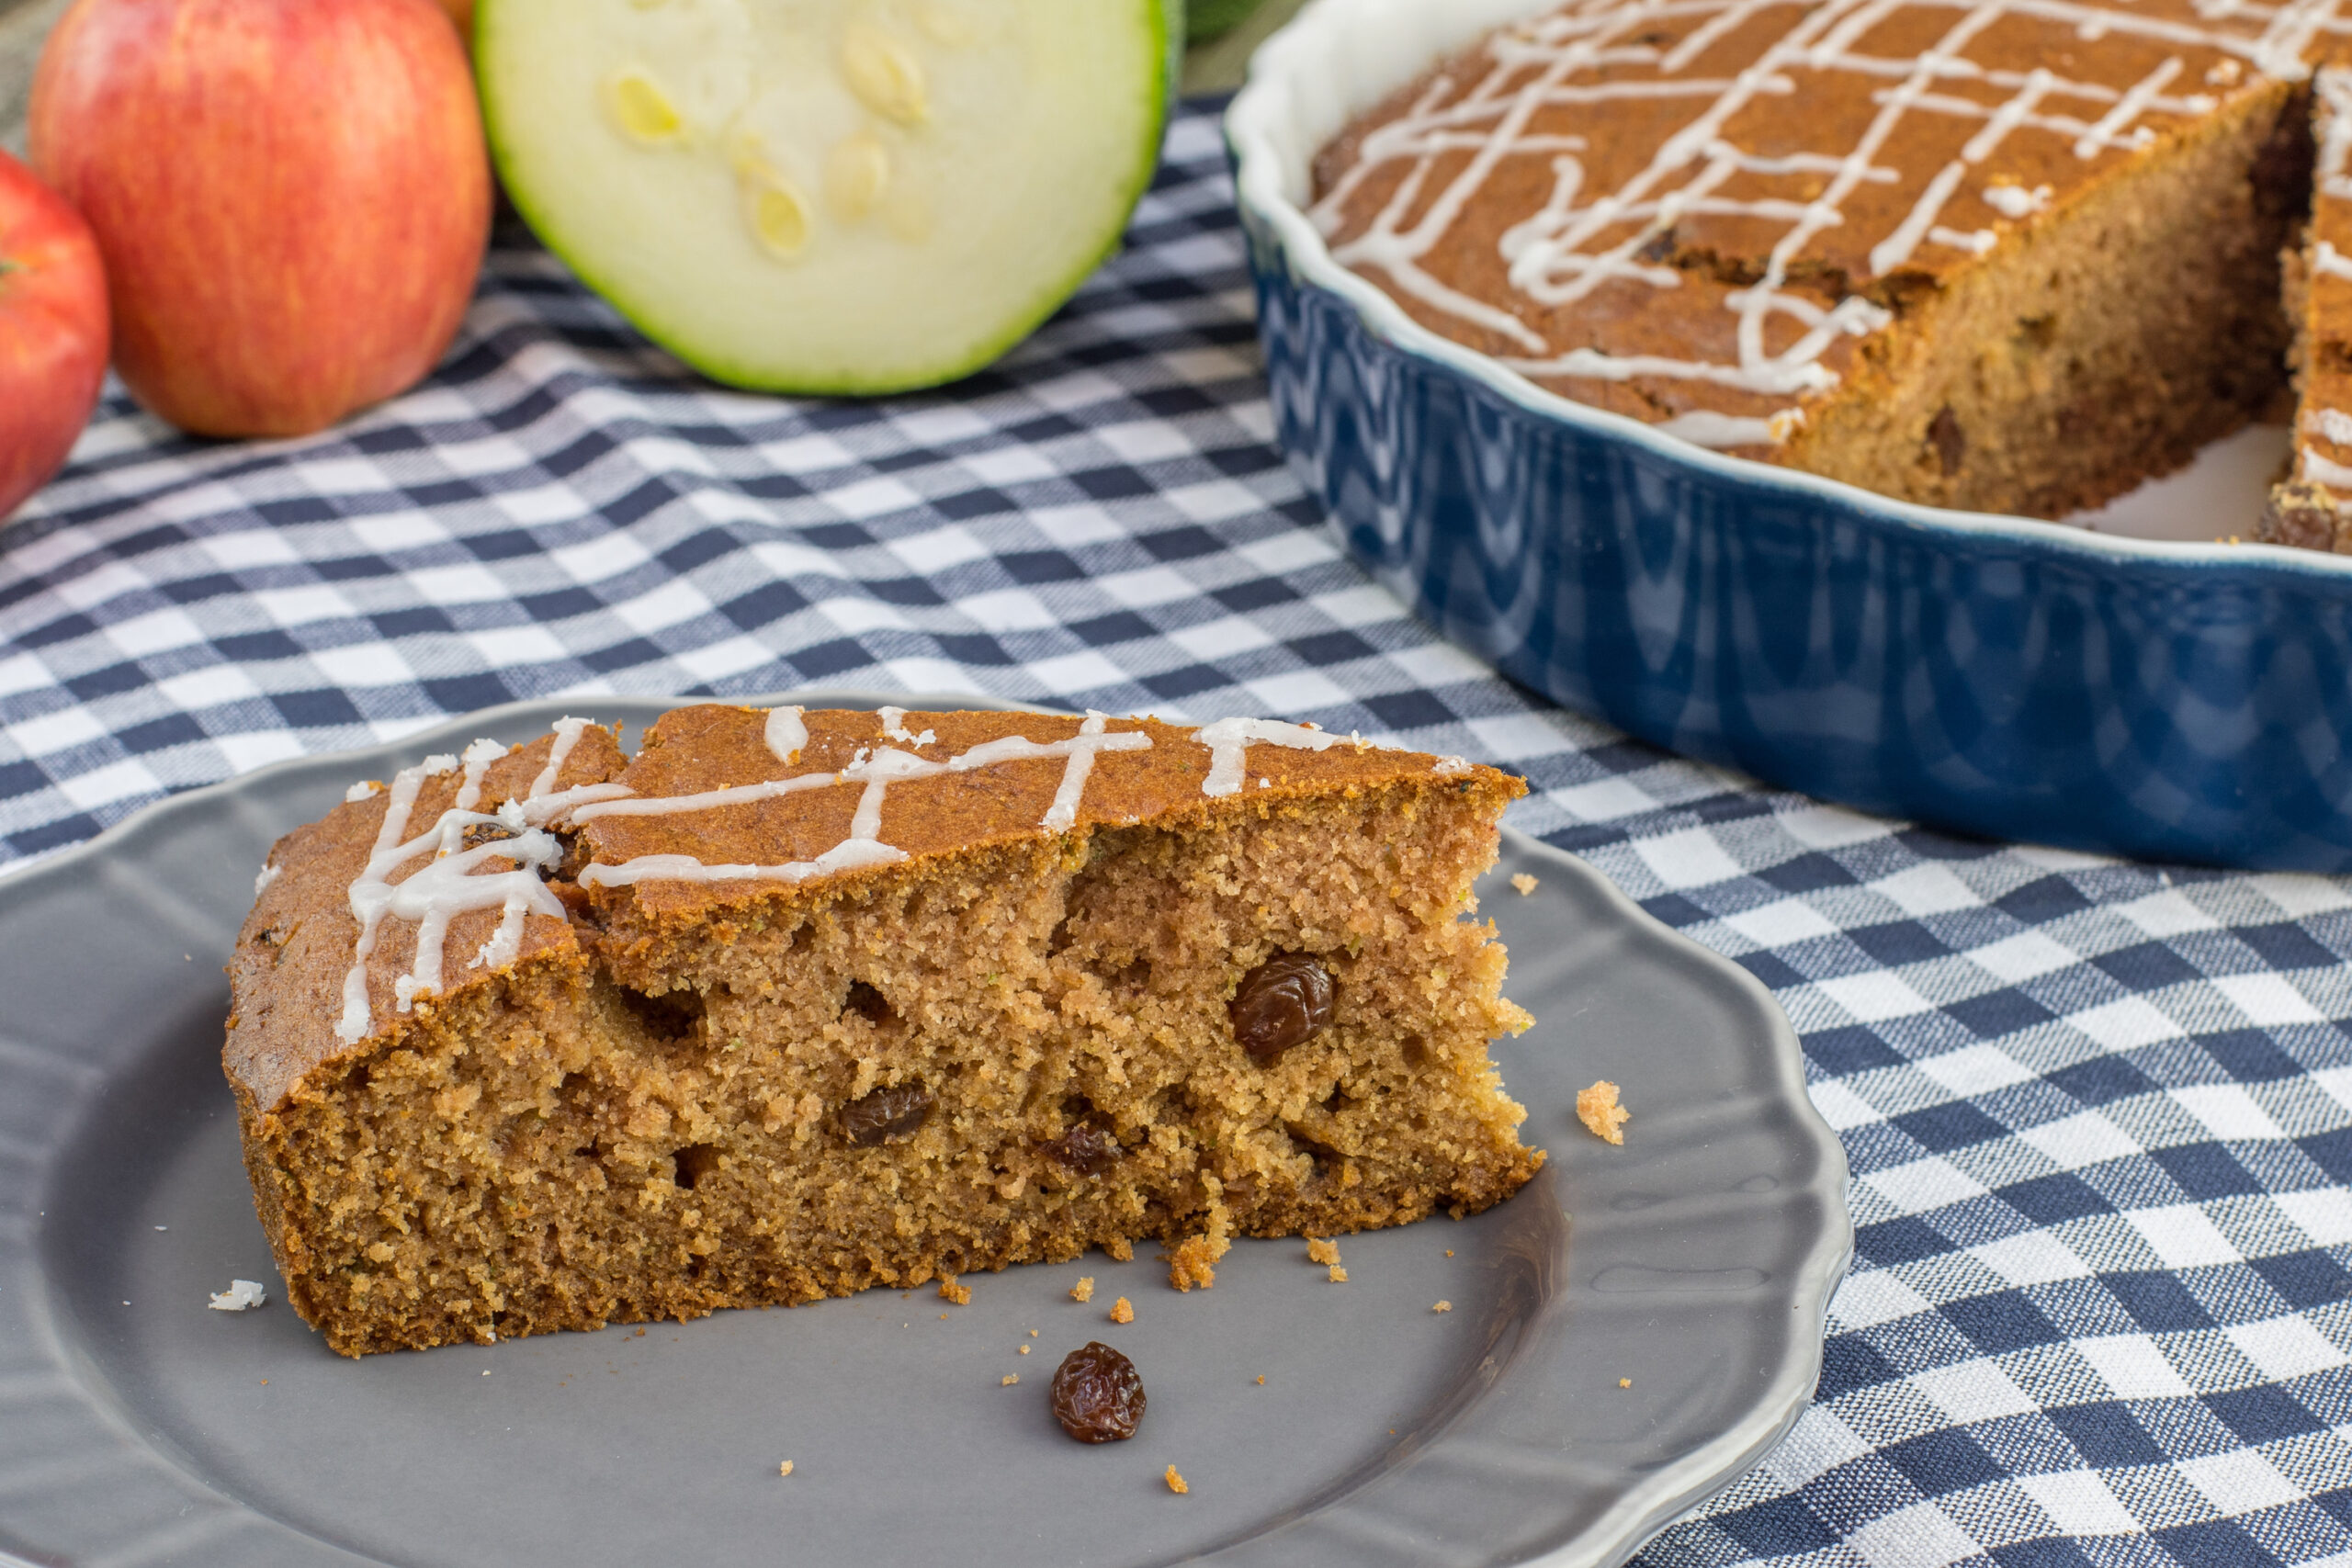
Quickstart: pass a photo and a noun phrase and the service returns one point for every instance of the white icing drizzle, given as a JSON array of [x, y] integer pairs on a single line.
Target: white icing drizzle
[[2329, 424], [1080, 749], [707, 800], [1455, 137], [1229, 739], [785, 735], [1447, 767], [268, 875], [2015, 202], [2324, 470], [567, 735], [894, 724], [456, 880], [360, 792]]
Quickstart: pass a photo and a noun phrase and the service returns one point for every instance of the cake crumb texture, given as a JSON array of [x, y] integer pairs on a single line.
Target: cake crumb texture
[[1339, 1275], [1176, 1483], [1598, 1108], [1525, 882], [682, 1093], [1320, 1250], [1084, 1290], [1122, 1311]]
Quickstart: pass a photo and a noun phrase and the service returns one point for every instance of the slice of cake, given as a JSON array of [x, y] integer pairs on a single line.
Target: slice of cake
[[793, 1004], [2308, 509], [2011, 258]]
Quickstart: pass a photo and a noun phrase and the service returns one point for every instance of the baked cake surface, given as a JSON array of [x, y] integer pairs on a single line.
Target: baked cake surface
[[792, 1004], [2015, 257]]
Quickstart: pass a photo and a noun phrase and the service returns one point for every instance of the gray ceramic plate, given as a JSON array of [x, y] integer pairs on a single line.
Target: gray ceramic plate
[[136, 1426]]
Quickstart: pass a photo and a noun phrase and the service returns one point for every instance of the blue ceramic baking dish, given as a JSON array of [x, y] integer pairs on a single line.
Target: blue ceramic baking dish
[[1995, 675]]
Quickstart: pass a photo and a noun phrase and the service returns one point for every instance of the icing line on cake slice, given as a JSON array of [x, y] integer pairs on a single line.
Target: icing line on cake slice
[[455, 881]]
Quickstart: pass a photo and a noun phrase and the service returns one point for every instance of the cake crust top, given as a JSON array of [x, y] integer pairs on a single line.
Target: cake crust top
[[408, 895], [1695, 213]]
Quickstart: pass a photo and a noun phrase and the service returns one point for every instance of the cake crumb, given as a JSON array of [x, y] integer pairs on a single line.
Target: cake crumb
[[1084, 1290], [1194, 1261], [1009, 1379], [949, 1290], [1524, 881], [1339, 1275], [1624, 1383], [1121, 1249], [1449, 1252], [1261, 1380], [1176, 1482], [241, 1295], [784, 1469], [1442, 1306], [1024, 1350], [1321, 1251], [1598, 1108], [1122, 1311], [1033, 1334]]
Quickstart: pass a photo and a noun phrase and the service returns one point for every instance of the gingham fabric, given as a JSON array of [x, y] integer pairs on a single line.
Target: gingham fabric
[[2100, 1115]]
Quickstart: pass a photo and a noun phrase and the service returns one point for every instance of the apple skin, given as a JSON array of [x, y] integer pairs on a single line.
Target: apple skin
[[52, 331], [292, 197]]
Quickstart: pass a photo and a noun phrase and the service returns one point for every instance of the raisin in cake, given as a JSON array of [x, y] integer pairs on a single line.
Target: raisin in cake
[[2013, 259], [792, 1004]]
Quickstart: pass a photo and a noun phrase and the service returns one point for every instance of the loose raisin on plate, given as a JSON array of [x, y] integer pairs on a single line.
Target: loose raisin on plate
[[1283, 1002], [885, 1114], [1085, 1149], [1098, 1397]]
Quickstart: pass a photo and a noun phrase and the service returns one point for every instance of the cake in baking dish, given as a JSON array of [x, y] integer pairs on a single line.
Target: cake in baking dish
[[792, 1004], [2011, 258]]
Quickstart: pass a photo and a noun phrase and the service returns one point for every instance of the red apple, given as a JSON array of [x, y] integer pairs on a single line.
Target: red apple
[[292, 196], [52, 331]]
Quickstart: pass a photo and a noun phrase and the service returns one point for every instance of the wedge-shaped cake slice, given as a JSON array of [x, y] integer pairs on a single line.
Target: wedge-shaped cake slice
[[794, 1003]]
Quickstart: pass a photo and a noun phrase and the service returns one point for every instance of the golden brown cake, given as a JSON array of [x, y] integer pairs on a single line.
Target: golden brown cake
[[793, 1004], [2014, 258], [2310, 509]]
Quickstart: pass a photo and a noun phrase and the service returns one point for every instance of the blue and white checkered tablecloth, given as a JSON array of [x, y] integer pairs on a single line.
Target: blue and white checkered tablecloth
[[2099, 1114]]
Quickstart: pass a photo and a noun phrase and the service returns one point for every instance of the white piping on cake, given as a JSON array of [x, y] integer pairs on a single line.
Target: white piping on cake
[[452, 883], [705, 800], [448, 885], [1578, 240], [894, 724], [1229, 739], [785, 735], [2324, 470], [1080, 749], [566, 734]]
